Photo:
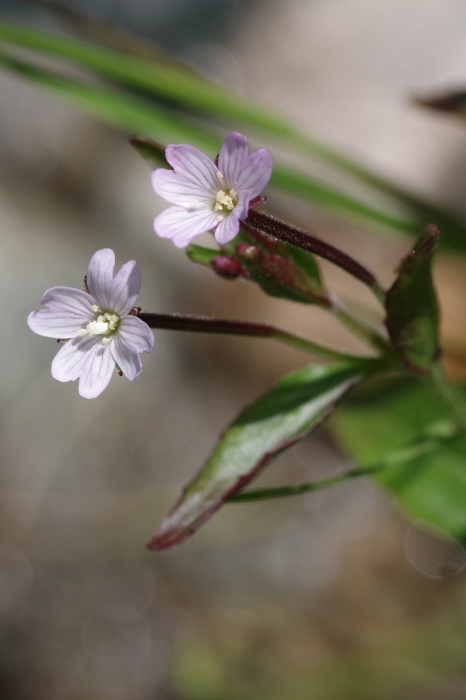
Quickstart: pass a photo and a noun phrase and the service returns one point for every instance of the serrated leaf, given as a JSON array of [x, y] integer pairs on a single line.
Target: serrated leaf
[[412, 307], [432, 487], [280, 418]]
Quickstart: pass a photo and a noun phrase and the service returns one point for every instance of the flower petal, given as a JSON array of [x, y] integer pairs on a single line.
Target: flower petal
[[194, 165], [256, 173], [127, 358], [242, 207], [177, 189], [97, 371], [227, 229], [55, 324], [70, 360], [100, 276], [232, 158], [136, 334], [182, 225], [125, 288], [68, 300], [69, 310]]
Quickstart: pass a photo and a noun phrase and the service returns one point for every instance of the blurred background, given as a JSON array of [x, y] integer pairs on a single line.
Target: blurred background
[[331, 596]]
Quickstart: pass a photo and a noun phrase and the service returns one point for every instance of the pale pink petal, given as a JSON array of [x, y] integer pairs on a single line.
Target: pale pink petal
[[69, 310], [55, 324], [242, 207], [136, 334], [182, 225], [68, 300], [127, 358], [125, 288], [97, 371], [227, 229], [100, 277], [177, 189], [256, 173], [194, 165], [233, 158], [70, 360]]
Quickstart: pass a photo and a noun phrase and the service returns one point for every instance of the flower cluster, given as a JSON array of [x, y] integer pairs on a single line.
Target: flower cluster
[[207, 195], [98, 327]]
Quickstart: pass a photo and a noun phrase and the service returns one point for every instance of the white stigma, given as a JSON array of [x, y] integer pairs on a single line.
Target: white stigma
[[105, 324]]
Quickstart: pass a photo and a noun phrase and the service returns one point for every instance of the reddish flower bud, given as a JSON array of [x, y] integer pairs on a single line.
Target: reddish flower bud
[[248, 252], [226, 267]]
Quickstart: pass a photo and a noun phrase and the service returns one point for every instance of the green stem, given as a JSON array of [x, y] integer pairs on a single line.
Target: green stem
[[369, 335], [449, 393], [196, 324], [404, 455]]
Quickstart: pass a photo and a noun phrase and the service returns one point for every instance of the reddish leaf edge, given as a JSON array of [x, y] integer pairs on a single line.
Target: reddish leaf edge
[[168, 537]]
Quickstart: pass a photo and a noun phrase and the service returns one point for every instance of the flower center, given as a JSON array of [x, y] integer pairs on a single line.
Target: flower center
[[105, 324], [225, 202]]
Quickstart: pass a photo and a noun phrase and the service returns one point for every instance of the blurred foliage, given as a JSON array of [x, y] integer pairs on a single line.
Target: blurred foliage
[[173, 87]]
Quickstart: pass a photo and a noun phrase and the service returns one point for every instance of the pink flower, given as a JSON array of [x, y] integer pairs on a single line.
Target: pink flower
[[207, 196], [99, 331]]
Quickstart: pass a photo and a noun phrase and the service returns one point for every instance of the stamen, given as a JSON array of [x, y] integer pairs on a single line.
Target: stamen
[[97, 327], [225, 200], [220, 218], [219, 175], [95, 308]]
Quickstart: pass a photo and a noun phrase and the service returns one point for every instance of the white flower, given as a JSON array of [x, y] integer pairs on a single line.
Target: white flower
[[99, 331]]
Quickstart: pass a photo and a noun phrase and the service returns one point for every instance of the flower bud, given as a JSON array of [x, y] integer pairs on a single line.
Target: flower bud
[[226, 267]]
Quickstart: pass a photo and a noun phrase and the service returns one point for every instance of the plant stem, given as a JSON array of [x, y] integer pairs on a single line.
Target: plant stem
[[196, 324], [369, 335], [308, 241], [449, 393], [404, 455]]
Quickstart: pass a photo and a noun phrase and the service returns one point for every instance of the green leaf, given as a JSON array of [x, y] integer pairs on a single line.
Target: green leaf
[[281, 277], [431, 487], [412, 308], [190, 92], [151, 151], [306, 262], [280, 418], [132, 114], [107, 35], [201, 254]]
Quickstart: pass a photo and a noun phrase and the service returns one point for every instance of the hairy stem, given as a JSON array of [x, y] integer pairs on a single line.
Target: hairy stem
[[196, 324], [308, 241]]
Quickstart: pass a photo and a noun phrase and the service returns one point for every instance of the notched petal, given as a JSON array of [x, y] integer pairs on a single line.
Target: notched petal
[[125, 288], [100, 276]]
